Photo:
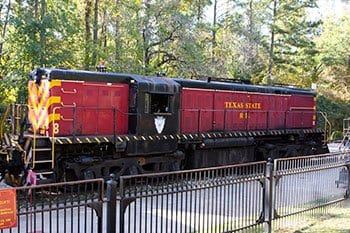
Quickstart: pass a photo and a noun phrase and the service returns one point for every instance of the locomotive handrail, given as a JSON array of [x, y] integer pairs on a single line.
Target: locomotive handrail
[[68, 105], [96, 108], [327, 124], [66, 119], [69, 92], [162, 114], [244, 124], [301, 108], [53, 137], [242, 110], [74, 119], [247, 114]]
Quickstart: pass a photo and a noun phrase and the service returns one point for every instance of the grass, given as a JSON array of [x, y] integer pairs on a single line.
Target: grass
[[333, 220], [330, 219]]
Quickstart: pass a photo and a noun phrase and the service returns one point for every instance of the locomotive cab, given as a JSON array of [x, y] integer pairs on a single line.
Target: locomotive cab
[[157, 101], [154, 102]]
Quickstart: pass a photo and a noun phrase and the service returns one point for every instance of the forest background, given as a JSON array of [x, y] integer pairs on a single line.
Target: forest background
[[294, 42]]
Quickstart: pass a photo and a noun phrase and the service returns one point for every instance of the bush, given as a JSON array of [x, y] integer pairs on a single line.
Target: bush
[[336, 111], [336, 135]]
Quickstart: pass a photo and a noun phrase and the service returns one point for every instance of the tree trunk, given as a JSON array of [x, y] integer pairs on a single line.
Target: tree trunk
[[42, 33], [104, 30], [95, 35], [251, 20], [36, 9], [199, 11], [272, 43], [214, 32], [1, 6], [88, 5], [117, 33], [251, 39], [145, 38], [4, 29]]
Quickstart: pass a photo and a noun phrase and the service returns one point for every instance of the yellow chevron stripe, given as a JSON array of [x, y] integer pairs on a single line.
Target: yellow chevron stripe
[[53, 100], [55, 83], [55, 117]]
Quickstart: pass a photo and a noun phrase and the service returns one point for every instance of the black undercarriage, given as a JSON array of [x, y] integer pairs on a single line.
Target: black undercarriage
[[95, 157]]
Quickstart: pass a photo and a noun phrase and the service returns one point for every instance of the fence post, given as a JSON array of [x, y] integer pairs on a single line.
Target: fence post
[[111, 204], [268, 202], [347, 194]]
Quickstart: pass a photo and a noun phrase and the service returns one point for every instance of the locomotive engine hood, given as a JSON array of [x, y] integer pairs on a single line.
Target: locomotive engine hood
[[153, 101]]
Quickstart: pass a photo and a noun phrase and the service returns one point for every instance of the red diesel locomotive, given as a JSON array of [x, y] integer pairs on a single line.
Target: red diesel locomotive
[[89, 124]]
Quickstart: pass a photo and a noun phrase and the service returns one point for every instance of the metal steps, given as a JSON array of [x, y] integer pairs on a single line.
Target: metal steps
[[42, 161], [42, 149], [40, 156]]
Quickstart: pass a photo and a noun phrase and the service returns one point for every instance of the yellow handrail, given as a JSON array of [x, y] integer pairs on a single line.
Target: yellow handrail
[[326, 123], [53, 138]]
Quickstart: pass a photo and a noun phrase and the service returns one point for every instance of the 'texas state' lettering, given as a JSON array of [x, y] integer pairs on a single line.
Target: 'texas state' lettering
[[242, 105]]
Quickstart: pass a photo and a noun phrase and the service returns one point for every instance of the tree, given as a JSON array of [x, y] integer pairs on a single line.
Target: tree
[[245, 29], [334, 47], [291, 46], [258, 40]]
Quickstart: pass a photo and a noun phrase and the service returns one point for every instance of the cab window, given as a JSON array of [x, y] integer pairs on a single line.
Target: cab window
[[158, 103]]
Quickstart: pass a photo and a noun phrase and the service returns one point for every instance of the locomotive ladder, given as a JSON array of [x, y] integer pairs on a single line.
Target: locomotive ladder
[[39, 155]]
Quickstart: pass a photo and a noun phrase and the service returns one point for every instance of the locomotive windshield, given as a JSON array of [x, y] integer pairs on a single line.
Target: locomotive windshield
[[157, 103]]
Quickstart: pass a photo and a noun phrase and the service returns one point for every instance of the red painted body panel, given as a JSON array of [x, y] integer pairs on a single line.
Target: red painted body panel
[[216, 110], [197, 110], [301, 107], [88, 108]]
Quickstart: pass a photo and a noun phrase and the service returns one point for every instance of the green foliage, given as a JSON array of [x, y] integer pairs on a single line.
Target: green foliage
[[336, 135], [294, 50], [8, 92], [334, 41], [336, 110], [61, 38]]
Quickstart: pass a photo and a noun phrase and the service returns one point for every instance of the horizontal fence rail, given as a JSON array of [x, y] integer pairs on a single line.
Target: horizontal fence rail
[[310, 163], [62, 207]]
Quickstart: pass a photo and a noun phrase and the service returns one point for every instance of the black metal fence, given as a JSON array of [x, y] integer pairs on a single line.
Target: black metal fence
[[62, 207], [308, 186], [204, 200], [253, 197]]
